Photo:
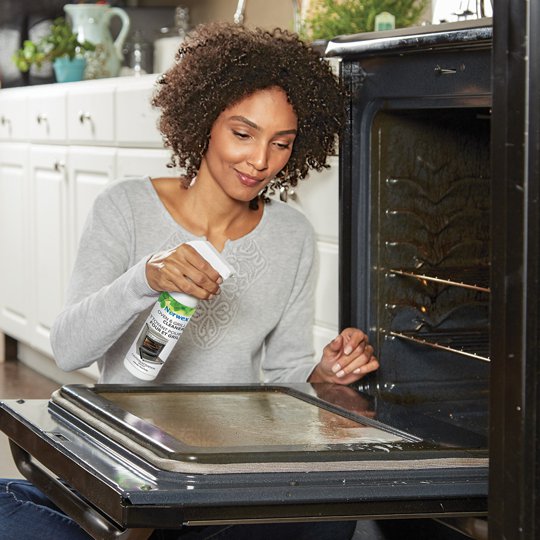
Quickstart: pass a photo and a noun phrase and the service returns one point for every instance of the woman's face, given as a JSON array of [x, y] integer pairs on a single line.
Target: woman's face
[[250, 142]]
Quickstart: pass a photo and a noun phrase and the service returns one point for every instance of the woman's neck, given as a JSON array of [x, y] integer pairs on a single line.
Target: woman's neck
[[203, 212]]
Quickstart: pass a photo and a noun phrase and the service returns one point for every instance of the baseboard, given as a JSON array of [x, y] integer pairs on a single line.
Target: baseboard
[[46, 366]]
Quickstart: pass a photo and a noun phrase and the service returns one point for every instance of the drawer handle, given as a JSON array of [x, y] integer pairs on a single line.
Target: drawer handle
[[41, 118], [84, 117], [445, 71]]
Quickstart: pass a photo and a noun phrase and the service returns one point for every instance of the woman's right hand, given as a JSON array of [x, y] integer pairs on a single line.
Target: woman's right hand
[[183, 269]]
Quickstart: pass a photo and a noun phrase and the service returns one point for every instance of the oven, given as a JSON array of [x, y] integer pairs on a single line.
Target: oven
[[418, 215], [440, 177]]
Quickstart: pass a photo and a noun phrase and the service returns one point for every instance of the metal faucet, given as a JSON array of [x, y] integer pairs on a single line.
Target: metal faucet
[[239, 13]]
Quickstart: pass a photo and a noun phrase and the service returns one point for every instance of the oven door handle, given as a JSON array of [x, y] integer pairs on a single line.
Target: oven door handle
[[93, 522]]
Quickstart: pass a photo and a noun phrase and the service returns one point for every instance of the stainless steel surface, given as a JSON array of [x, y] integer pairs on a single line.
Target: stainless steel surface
[[131, 492], [461, 34], [239, 13]]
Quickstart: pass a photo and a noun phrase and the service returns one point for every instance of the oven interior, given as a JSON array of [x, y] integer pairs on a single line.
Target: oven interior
[[416, 223], [429, 261]]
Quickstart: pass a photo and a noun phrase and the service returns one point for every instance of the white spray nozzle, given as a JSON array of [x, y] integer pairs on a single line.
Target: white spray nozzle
[[213, 256]]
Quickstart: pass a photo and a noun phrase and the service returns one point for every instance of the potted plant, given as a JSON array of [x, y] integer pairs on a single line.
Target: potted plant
[[327, 19], [61, 47]]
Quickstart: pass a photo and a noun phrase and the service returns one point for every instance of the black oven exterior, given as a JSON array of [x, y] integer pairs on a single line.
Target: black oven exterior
[[505, 85]]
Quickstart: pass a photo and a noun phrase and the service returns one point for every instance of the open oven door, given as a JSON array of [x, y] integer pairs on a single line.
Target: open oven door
[[158, 457]]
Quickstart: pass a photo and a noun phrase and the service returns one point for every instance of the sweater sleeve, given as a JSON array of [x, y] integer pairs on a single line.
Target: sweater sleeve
[[104, 294], [289, 354]]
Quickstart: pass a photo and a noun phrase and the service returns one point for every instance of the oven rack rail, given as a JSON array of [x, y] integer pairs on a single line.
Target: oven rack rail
[[464, 344], [478, 278]]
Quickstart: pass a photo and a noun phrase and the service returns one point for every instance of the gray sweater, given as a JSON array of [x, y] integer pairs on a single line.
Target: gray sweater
[[258, 329]]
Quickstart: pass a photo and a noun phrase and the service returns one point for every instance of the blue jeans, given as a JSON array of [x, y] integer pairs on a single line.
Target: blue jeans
[[27, 514]]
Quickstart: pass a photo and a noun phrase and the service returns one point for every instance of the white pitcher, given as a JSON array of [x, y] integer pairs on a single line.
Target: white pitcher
[[91, 22]]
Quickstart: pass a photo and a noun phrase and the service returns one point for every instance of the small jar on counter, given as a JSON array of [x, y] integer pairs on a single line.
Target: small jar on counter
[[137, 55]]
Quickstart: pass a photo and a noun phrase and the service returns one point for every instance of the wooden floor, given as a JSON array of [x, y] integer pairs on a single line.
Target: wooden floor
[[19, 381]]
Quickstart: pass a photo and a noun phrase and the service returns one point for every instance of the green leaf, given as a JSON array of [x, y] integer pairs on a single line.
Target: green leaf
[[61, 41]]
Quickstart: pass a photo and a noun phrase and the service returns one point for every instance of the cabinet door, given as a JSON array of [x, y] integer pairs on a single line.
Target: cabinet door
[[15, 219], [48, 182], [89, 171]]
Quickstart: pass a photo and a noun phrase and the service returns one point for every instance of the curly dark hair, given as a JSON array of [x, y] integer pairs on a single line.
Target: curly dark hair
[[219, 64]]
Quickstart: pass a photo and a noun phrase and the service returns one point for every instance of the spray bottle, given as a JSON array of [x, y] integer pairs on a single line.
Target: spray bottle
[[167, 320]]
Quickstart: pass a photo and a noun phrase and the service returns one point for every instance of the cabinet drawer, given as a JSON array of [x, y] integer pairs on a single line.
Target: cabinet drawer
[[47, 115], [90, 115], [13, 116], [136, 120]]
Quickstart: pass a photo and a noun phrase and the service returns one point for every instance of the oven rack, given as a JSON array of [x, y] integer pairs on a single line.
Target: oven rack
[[476, 279], [465, 343]]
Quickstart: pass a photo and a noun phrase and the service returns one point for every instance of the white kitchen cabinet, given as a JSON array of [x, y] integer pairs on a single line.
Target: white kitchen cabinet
[[15, 217], [49, 188], [68, 151]]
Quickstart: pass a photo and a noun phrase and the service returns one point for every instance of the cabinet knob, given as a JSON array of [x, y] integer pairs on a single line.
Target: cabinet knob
[[84, 117], [59, 166], [4, 120], [41, 118]]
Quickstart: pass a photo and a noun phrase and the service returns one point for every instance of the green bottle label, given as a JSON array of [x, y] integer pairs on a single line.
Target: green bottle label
[[168, 303]]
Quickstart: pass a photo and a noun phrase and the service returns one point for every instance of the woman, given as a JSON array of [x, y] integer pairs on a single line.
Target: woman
[[243, 112]]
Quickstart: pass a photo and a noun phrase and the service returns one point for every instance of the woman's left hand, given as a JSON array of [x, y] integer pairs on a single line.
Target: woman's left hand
[[345, 359]]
